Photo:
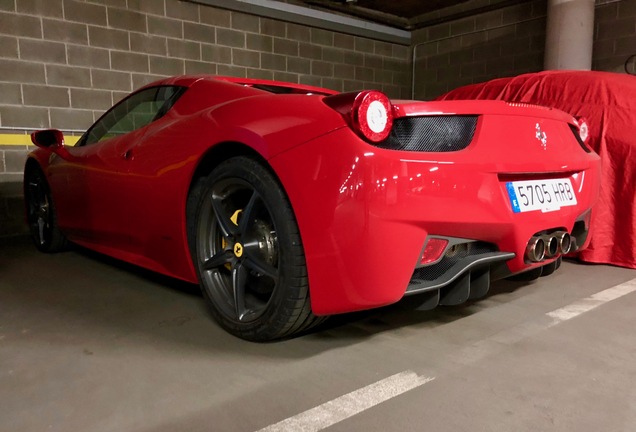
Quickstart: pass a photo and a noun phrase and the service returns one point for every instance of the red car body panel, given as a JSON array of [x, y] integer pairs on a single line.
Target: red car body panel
[[361, 214], [159, 160], [364, 212]]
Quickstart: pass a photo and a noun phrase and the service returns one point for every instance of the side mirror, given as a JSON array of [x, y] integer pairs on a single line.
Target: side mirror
[[48, 138]]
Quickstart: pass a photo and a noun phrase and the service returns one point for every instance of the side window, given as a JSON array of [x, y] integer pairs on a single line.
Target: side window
[[133, 113]]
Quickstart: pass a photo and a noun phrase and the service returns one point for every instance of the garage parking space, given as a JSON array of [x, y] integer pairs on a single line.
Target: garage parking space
[[272, 183], [89, 343]]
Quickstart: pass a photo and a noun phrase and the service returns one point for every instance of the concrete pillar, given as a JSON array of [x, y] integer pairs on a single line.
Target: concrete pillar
[[569, 35]]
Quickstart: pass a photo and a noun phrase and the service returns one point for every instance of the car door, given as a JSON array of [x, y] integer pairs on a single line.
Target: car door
[[150, 183], [95, 174]]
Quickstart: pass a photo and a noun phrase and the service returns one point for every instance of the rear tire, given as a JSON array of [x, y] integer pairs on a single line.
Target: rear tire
[[247, 250], [41, 214]]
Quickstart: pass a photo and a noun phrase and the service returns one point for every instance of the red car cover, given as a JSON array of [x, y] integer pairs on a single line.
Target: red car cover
[[608, 102]]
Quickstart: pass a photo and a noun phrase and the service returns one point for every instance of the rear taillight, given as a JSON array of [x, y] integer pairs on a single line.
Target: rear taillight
[[582, 133], [372, 115], [369, 113]]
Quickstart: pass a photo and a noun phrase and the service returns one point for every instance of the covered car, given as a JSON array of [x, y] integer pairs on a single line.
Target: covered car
[[289, 203], [607, 101]]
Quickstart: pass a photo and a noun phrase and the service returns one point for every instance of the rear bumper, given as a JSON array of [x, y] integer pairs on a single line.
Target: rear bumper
[[365, 213], [467, 267]]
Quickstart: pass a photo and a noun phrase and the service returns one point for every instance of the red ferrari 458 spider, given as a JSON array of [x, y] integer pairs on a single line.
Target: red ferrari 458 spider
[[288, 203]]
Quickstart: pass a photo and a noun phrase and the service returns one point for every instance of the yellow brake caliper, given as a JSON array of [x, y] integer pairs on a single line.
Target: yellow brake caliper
[[234, 220]]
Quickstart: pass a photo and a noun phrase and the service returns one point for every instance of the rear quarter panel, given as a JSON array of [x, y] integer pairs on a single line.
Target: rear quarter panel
[[166, 159]]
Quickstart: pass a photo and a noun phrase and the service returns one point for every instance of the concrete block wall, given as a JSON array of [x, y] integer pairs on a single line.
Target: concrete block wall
[[614, 36], [11, 209], [63, 62], [504, 42], [11, 196], [511, 41]]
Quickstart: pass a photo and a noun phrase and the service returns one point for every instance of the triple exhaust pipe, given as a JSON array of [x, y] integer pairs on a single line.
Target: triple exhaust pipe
[[548, 246]]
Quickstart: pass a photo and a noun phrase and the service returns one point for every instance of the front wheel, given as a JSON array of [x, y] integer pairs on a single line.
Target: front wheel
[[248, 252], [41, 215]]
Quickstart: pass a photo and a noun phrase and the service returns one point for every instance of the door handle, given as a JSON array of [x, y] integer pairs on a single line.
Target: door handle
[[127, 155]]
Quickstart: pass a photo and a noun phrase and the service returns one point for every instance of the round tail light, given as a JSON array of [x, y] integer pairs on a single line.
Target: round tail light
[[372, 115], [584, 131]]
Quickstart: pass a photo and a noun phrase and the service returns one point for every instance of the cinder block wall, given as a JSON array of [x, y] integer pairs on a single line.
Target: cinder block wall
[[507, 41], [511, 41], [614, 35], [63, 62]]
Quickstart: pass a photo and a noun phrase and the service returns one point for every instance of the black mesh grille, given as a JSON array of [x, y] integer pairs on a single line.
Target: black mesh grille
[[435, 271], [445, 133]]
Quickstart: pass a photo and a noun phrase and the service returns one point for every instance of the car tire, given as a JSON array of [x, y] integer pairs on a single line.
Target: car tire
[[41, 214], [248, 254]]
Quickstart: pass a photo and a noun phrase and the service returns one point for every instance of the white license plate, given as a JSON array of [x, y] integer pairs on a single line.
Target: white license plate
[[544, 195]]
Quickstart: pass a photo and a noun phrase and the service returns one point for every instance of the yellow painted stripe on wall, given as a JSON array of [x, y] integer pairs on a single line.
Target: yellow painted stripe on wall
[[24, 139]]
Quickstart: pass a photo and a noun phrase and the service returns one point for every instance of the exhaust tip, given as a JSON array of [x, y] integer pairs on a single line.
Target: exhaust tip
[[535, 251], [552, 247], [565, 243]]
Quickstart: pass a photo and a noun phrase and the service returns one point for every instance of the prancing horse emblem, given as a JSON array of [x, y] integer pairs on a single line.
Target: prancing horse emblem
[[541, 136]]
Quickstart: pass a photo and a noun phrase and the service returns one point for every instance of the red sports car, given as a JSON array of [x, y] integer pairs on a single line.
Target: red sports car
[[288, 203]]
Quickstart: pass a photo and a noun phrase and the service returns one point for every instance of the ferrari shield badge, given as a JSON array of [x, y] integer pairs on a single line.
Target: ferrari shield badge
[[238, 250], [541, 136]]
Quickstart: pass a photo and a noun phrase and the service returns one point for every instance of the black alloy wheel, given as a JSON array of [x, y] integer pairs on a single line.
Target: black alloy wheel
[[41, 215], [248, 253]]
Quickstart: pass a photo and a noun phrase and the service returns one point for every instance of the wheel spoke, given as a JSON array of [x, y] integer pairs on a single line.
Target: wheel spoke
[[247, 213], [256, 263], [227, 226], [219, 259], [239, 282], [41, 224], [34, 198]]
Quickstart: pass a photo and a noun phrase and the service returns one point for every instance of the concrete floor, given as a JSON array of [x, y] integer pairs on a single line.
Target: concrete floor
[[90, 344]]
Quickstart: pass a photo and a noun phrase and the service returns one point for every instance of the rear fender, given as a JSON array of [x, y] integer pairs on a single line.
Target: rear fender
[[273, 124]]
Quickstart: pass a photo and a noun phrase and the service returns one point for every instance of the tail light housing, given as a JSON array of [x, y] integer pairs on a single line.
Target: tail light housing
[[584, 131], [581, 132], [369, 113]]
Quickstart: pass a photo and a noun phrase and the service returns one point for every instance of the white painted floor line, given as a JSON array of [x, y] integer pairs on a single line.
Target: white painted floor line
[[348, 405], [499, 341], [587, 304]]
